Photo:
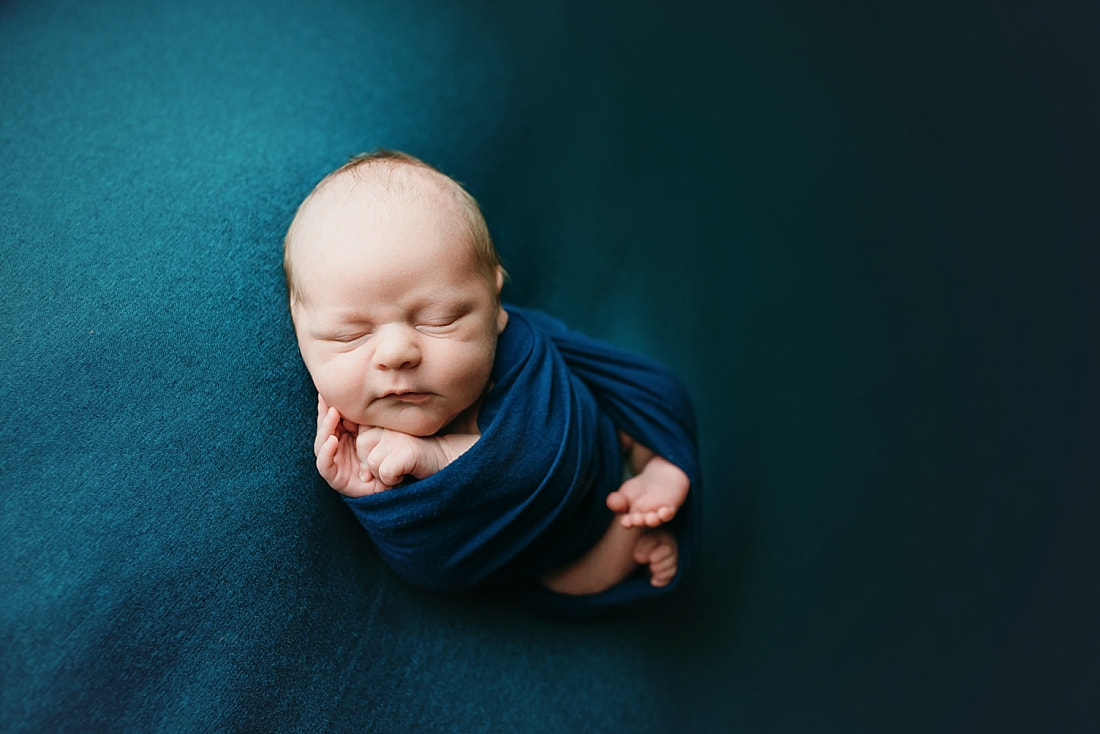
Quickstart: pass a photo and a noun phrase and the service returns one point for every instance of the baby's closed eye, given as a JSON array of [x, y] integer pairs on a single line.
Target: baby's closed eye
[[438, 324], [346, 338]]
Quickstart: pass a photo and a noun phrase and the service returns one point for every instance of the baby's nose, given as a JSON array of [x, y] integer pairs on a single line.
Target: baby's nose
[[396, 347]]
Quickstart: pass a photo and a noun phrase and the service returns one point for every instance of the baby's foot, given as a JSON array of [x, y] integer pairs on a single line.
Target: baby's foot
[[652, 497], [658, 550]]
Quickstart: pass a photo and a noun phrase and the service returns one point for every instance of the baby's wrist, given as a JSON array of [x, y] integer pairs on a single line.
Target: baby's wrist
[[453, 445], [443, 453]]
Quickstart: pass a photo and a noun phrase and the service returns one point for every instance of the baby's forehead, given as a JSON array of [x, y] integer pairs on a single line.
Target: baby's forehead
[[388, 182], [369, 195], [355, 199]]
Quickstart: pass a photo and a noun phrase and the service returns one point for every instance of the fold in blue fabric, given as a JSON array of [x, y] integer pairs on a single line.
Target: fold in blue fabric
[[531, 494]]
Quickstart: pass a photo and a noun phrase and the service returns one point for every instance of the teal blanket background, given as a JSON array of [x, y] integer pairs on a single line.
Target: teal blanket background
[[866, 238]]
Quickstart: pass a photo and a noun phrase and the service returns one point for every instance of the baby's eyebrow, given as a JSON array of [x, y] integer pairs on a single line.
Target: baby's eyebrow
[[451, 302]]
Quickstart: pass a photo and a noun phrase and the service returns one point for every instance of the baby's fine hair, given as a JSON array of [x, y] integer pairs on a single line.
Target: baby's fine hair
[[392, 163]]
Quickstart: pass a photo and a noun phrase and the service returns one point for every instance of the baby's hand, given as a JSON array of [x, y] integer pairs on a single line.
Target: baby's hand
[[334, 448], [389, 456]]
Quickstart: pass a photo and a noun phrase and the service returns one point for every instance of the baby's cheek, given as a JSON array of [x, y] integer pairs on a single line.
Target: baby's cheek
[[339, 385], [473, 373]]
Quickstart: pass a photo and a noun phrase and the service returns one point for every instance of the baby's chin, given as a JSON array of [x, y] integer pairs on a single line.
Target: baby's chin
[[413, 424]]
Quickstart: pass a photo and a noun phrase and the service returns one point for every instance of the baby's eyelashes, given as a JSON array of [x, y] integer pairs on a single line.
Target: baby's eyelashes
[[436, 327], [440, 317], [439, 323], [341, 334], [346, 338]]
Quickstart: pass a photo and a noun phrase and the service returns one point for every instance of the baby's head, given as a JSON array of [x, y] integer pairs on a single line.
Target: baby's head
[[395, 294], [386, 178]]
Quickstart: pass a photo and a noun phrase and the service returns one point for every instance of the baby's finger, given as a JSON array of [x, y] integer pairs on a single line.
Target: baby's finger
[[377, 460], [324, 410], [320, 415], [326, 460], [368, 439], [326, 427], [391, 471], [365, 474]]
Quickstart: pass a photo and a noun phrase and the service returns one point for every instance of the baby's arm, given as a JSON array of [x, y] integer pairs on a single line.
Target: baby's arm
[[389, 456], [656, 491]]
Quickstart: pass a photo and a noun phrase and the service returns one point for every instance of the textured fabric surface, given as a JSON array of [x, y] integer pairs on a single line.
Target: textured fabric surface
[[865, 238]]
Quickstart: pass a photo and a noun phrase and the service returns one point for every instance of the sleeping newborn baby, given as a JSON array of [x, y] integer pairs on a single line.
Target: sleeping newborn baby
[[477, 443]]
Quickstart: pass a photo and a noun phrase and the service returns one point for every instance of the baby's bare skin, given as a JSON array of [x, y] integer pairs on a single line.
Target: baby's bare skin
[[361, 460], [643, 503], [654, 494], [397, 318], [357, 460], [617, 554]]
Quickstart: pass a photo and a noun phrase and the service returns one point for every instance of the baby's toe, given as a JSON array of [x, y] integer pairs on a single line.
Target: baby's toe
[[617, 502], [665, 565], [644, 548], [659, 581], [662, 575], [662, 572], [661, 554]]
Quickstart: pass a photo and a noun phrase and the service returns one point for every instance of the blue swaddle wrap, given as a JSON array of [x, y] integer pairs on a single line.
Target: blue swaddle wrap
[[531, 494]]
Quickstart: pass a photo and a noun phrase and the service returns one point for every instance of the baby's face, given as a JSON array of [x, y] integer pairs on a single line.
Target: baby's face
[[397, 325]]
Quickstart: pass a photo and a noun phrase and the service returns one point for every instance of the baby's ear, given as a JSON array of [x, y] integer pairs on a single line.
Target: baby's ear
[[502, 315]]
